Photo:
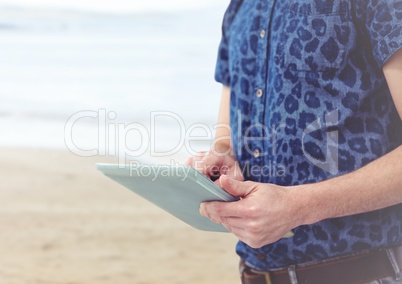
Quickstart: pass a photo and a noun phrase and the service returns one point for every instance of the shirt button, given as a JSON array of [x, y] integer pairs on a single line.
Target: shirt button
[[256, 153], [259, 93], [262, 33]]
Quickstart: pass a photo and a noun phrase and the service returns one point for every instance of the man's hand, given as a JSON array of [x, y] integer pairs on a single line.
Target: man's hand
[[265, 213], [214, 164], [393, 73]]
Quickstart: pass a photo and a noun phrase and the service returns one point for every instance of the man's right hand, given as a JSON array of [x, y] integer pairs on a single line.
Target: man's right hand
[[213, 164]]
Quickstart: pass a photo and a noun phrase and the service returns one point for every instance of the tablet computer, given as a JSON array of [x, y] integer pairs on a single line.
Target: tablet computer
[[178, 190]]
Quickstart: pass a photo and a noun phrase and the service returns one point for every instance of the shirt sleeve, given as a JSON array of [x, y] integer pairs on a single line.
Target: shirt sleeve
[[383, 20], [222, 74]]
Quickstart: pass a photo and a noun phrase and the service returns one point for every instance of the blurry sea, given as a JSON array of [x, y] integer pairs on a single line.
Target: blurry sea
[[56, 63]]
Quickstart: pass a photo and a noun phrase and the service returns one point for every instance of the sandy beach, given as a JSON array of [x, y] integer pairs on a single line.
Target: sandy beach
[[62, 222]]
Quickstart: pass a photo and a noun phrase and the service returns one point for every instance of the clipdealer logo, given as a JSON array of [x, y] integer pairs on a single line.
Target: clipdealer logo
[[113, 138], [328, 126]]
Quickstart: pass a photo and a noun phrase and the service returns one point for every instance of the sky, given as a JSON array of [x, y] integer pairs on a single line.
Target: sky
[[120, 6]]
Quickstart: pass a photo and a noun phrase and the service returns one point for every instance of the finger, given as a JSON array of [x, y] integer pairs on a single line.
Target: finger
[[189, 161], [216, 219], [240, 233], [233, 222], [211, 164], [193, 159], [236, 173], [245, 237], [235, 187], [197, 160], [218, 182], [221, 209]]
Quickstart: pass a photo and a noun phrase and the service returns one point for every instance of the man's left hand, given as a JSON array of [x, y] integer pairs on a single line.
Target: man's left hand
[[263, 215]]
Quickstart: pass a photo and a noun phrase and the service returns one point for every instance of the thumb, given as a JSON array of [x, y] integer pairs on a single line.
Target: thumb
[[235, 187]]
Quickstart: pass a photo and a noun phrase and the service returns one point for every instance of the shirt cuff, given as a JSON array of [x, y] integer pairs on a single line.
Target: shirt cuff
[[386, 47], [222, 66]]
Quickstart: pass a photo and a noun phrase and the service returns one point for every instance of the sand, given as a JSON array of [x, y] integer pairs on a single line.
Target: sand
[[62, 222]]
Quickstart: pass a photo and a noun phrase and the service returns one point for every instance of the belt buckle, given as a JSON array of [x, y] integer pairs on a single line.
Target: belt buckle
[[292, 274], [267, 278]]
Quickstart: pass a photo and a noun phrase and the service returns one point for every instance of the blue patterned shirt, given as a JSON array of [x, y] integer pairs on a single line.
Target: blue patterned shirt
[[309, 102]]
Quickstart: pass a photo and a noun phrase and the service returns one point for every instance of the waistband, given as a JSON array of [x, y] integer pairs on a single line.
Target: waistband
[[356, 268]]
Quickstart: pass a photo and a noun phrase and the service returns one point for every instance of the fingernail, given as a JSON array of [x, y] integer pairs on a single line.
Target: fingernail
[[202, 209], [220, 180]]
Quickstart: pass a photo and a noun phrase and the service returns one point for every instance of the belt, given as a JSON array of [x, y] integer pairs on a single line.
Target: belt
[[354, 269]]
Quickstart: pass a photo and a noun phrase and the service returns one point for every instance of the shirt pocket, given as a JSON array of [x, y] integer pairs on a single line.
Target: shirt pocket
[[315, 35]]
